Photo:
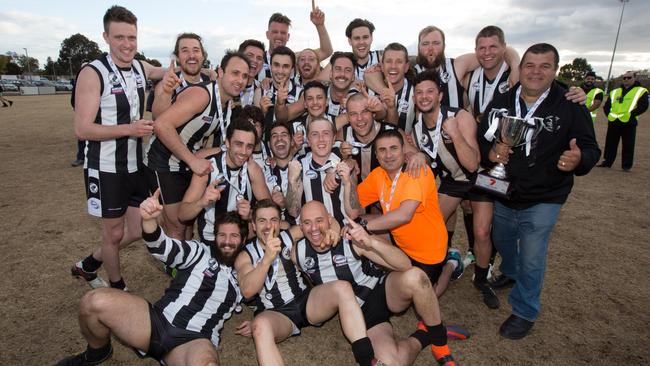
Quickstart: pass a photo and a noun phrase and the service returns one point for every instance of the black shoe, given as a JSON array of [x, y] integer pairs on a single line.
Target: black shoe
[[604, 165], [77, 162], [489, 297], [515, 327], [81, 359], [11, 103], [501, 282]]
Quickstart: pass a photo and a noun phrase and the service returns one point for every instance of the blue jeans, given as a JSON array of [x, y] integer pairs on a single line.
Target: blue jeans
[[521, 237]]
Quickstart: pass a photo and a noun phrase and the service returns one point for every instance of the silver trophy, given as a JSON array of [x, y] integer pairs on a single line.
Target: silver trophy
[[513, 132]]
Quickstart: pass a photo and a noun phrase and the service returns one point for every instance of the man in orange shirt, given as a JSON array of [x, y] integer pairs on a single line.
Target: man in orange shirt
[[409, 205]]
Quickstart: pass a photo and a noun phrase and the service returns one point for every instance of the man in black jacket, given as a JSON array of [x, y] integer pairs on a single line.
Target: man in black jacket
[[541, 172]]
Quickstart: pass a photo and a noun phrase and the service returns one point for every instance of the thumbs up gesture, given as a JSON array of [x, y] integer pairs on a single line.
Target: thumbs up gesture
[[570, 158], [150, 208]]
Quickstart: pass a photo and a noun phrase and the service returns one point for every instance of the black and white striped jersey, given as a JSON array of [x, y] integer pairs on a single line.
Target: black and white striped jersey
[[335, 108], [247, 96], [439, 147], [364, 154], [118, 105], [193, 134], [262, 156], [339, 263], [374, 57], [283, 282], [405, 104], [277, 178], [481, 91], [313, 176], [236, 184], [204, 292], [452, 88]]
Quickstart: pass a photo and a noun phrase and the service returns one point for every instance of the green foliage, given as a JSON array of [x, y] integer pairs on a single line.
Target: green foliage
[[575, 71], [74, 51]]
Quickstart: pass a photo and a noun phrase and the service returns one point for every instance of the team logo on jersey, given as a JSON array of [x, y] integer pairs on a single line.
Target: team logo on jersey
[[403, 106], [309, 262], [339, 260], [424, 139], [286, 253], [504, 87], [271, 179], [207, 119], [138, 80], [476, 85], [212, 268], [93, 188], [445, 77], [311, 174], [113, 79]]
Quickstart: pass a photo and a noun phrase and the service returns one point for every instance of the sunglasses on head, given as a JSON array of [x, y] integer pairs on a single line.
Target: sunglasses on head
[[627, 77]]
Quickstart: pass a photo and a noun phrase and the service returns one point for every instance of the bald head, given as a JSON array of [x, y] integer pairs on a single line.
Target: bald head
[[315, 222]]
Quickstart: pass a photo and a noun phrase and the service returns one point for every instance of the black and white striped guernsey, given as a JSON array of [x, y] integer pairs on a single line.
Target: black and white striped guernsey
[[247, 96], [334, 109], [283, 282], [451, 87], [313, 176], [236, 182], [405, 104], [123, 154], [374, 57], [479, 87], [365, 154], [339, 263], [447, 164], [193, 134], [204, 292]]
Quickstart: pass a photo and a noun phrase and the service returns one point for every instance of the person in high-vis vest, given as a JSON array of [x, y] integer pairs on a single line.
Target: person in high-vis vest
[[594, 94], [622, 108]]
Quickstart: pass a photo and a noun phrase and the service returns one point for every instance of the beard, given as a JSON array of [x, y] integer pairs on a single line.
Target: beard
[[227, 260]]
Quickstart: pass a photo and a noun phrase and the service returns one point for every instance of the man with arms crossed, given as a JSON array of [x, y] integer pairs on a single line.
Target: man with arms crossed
[[109, 104], [184, 326], [541, 172]]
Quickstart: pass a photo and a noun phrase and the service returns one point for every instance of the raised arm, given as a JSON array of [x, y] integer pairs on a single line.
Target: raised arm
[[377, 249], [317, 17]]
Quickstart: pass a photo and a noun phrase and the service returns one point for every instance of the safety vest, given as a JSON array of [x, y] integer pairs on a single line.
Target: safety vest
[[590, 101], [622, 110]]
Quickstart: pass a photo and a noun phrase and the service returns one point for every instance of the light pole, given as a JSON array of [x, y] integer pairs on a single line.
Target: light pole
[[29, 68], [70, 63], [609, 73]]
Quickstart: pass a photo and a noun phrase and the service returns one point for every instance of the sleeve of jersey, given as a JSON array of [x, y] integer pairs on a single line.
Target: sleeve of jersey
[[173, 252], [367, 190], [415, 189]]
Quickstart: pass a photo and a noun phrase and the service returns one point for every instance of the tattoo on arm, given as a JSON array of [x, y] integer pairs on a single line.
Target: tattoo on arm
[[294, 198]]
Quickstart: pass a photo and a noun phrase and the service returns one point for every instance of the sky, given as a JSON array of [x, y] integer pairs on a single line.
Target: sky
[[578, 28]]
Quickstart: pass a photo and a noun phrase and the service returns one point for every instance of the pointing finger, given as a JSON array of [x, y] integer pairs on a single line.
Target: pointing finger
[[313, 5]]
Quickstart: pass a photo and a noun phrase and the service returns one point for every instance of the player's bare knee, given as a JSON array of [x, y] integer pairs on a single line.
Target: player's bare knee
[[261, 327], [93, 302], [415, 279], [343, 290], [481, 235]]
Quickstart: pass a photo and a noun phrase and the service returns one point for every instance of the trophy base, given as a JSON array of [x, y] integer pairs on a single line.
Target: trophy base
[[496, 186]]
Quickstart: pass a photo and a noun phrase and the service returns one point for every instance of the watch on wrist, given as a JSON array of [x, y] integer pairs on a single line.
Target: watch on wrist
[[363, 223]]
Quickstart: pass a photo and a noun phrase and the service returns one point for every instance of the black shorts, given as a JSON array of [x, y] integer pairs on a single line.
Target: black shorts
[[375, 308], [296, 311], [464, 190], [110, 194], [433, 271], [165, 337], [172, 184]]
